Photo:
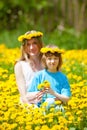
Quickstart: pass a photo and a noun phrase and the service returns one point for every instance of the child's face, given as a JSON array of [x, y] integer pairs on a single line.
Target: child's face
[[52, 63]]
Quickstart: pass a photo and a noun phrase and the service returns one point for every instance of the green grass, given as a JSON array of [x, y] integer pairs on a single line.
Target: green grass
[[9, 38]]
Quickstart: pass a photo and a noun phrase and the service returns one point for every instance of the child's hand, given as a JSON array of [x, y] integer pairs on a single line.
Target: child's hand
[[49, 90], [46, 89]]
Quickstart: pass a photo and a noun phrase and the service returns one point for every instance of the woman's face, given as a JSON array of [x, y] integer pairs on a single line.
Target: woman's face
[[32, 48]]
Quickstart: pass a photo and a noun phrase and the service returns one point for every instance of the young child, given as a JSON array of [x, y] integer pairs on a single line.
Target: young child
[[59, 86]]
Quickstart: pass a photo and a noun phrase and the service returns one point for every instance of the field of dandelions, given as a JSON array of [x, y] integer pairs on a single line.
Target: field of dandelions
[[14, 116]]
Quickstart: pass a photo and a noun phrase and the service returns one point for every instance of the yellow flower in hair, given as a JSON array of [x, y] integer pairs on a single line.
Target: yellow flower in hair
[[52, 50], [29, 36]]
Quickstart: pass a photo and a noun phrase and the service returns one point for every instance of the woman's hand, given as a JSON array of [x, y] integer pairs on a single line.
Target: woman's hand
[[24, 99], [39, 95], [35, 97]]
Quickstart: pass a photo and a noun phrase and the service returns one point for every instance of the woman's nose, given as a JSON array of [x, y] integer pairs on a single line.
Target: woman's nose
[[31, 46]]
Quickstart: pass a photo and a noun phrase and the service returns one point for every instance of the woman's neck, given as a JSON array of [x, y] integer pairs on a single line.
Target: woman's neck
[[35, 59], [36, 63]]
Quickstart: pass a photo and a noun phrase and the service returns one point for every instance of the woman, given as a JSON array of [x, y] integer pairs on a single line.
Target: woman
[[28, 64]]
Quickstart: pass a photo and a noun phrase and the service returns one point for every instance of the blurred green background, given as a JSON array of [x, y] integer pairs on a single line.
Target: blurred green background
[[63, 22]]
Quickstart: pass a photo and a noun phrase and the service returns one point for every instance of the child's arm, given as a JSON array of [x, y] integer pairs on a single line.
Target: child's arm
[[58, 96]]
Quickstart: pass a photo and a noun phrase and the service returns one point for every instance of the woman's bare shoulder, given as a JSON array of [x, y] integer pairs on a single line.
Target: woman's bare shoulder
[[18, 64], [18, 69]]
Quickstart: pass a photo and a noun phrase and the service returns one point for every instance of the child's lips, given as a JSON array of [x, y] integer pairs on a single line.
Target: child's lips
[[52, 64]]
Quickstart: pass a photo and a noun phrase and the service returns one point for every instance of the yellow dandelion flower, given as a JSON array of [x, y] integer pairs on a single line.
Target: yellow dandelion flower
[[43, 85], [29, 36], [40, 86], [52, 50], [46, 84], [58, 102]]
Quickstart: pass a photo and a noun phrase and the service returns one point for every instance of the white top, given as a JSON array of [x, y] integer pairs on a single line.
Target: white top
[[24, 74], [27, 72]]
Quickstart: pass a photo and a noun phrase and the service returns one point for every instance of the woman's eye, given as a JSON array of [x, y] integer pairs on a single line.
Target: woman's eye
[[28, 44], [35, 42]]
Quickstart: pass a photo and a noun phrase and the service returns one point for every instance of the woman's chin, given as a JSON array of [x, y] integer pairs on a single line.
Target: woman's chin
[[32, 54]]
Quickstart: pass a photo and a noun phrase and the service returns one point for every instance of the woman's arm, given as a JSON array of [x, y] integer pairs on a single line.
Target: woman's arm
[[27, 97], [20, 82], [34, 97]]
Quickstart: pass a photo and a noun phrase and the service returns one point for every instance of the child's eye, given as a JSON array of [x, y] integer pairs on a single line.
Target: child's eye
[[55, 58], [49, 58]]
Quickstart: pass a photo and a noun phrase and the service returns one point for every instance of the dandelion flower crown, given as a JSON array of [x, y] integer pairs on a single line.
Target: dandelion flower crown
[[30, 35], [52, 50]]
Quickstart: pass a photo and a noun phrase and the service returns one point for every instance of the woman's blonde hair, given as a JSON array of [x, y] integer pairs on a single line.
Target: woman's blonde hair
[[49, 54]]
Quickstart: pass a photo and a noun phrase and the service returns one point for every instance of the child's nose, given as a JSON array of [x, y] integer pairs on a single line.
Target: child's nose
[[52, 60]]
